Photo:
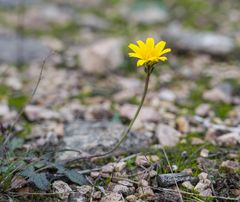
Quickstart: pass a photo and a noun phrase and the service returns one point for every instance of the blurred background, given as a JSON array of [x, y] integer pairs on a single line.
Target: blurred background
[[193, 98], [90, 76]]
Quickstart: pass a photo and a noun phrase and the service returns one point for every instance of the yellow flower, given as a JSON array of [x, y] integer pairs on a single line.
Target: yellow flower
[[148, 53]]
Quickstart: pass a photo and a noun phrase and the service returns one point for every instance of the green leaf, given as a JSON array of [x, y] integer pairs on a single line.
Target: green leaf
[[28, 172], [40, 180], [75, 177], [15, 143]]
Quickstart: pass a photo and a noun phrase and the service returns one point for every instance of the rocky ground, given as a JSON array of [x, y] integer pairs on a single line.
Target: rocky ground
[[188, 131]]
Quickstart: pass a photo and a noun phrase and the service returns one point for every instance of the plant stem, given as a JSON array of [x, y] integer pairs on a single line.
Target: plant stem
[[127, 130]]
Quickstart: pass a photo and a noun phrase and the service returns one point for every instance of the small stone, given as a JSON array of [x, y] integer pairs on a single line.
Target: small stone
[[120, 166], [188, 171], [197, 141], [62, 188], [122, 189], [94, 174], [203, 176], [93, 22], [131, 198], [143, 183], [230, 139], [77, 197], [85, 189], [105, 175], [204, 185], [231, 166], [204, 153], [182, 124], [142, 161], [4, 109], [167, 95], [97, 195], [109, 168], [150, 13], [203, 110], [14, 83], [126, 183], [167, 136], [153, 158], [188, 185], [112, 197], [206, 193], [152, 173], [148, 114], [221, 93], [174, 167], [37, 113], [106, 56], [207, 42], [145, 192], [34, 50]]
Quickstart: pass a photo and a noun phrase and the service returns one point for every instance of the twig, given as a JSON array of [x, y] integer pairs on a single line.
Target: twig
[[193, 194], [170, 166], [9, 134]]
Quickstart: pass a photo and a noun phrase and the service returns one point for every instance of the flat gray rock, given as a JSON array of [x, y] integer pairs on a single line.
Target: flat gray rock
[[15, 49], [99, 137], [190, 40]]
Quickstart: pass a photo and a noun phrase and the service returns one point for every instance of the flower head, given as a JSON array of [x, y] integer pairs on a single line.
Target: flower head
[[148, 53]]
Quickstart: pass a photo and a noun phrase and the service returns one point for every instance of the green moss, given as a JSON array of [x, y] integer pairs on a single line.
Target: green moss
[[130, 163], [222, 109], [4, 91], [59, 31], [17, 101], [134, 100]]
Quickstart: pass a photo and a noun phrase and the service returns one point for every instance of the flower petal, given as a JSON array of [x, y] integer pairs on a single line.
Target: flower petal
[[163, 58], [140, 62], [142, 45], [134, 47], [150, 43], [135, 55], [160, 46], [165, 51]]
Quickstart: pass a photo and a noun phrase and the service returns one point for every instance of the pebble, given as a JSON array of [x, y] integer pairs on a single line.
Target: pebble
[[167, 136], [188, 185], [182, 125], [106, 55], [62, 188], [203, 110], [229, 139], [208, 42], [230, 166], [131, 198], [142, 161], [120, 166], [197, 141], [109, 168], [204, 153], [112, 197]]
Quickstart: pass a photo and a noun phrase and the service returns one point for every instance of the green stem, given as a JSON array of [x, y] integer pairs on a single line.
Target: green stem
[[127, 130], [125, 133]]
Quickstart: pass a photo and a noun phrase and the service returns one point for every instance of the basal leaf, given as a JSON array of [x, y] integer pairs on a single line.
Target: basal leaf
[[40, 180], [75, 177]]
